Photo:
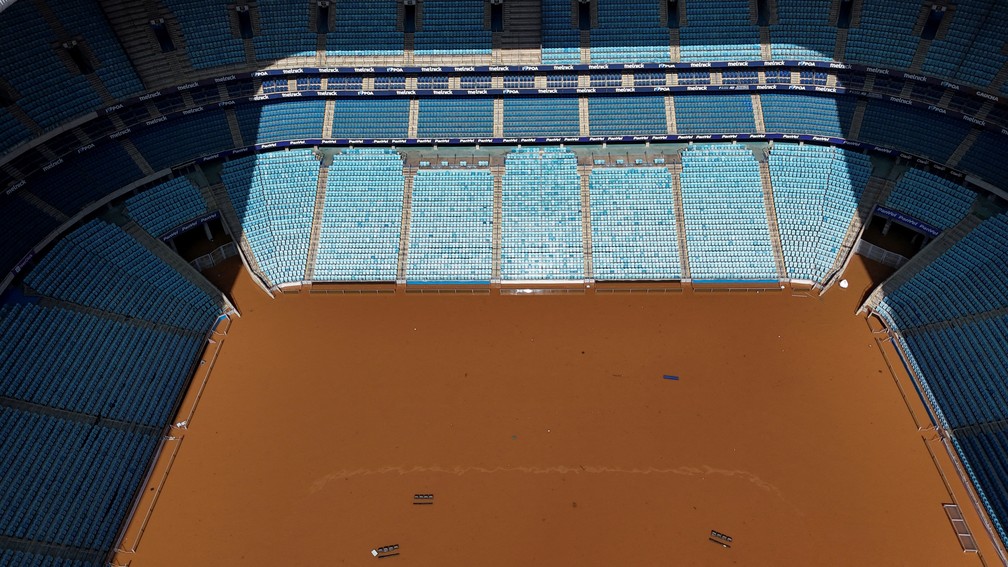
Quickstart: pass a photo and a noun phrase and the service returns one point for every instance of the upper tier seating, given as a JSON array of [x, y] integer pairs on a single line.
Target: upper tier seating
[[721, 114], [94, 365], [561, 41], [541, 221], [986, 158], [816, 194], [455, 118], [926, 197], [452, 27], [283, 30], [100, 266], [967, 279], [807, 114], [885, 36], [49, 93], [371, 118], [85, 18], [182, 138], [633, 224], [12, 132], [166, 206], [803, 31], [67, 483], [926, 134], [84, 178], [971, 50], [207, 30], [365, 29], [451, 226], [719, 31], [617, 116], [274, 196], [359, 236], [19, 237], [726, 224], [629, 31], [533, 116], [289, 120]]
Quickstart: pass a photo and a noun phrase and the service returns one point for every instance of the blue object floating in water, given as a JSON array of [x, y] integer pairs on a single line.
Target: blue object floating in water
[[670, 377]]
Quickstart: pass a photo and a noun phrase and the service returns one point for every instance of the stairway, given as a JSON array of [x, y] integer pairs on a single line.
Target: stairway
[[771, 215], [236, 135], [675, 168], [964, 147], [586, 230], [316, 227], [999, 79], [585, 126], [47, 301], [43, 206], [840, 51], [519, 43], [404, 224], [765, 52], [327, 119], [498, 208], [234, 227], [757, 106], [670, 117], [936, 248], [137, 157], [414, 118], [855, 127], [130, 24], [498, 117], [919, 56], [162, 251], [586, 46]]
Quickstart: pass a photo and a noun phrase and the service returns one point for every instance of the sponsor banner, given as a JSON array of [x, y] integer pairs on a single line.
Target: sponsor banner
[[181, 229], [907, 221], [24, 262]]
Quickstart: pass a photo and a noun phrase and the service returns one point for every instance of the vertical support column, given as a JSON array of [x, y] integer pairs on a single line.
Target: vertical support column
[[586, 231]]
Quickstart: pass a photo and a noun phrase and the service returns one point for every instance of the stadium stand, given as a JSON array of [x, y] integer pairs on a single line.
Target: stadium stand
[[365, 29], [49, 92], [452, 27], [359, 237], [207, 32], [86, 177], [69, 483], [726, 224], [807, 114], [986, 158], [926, 134], [633, 224], [985, 452], [629, 31], [541, 221], [443, 117], [283, 31], [451, 227], [932, 199], [191, 136], [166, 206], [561, 41], [803, 31], [371, 118], [728, 21], [290, 120], [19, 237], [12, 132], [534, 116], [971, 50], [885, 35], [611, 116], [723, 114], [274, 197], [816, 194], [939, 292], [100, 266]]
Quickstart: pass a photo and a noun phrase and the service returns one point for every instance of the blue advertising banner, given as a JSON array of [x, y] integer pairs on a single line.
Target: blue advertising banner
[[907, 220]]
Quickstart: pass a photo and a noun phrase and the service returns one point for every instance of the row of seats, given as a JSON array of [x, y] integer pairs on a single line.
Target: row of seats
[[361, 216], [807, 114], [67, 483], [629, 31], [465, 118], [939, 292], [803, 31], [274, 197], [451, 226], [935, 200], [719, 31], [366, 29], [616, 116], [633, 224], [926, 134], [724, 114], [452, 27], [99, 265], [290, 120], [816, 193], [166, 206], [726, 225], [561, 41], [985, 452]]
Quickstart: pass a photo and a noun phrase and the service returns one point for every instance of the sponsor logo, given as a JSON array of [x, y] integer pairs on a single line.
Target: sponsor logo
[[500, 68], [796, 87], [914, 77], [820, 139], [484, 140], [825, 89], [987, 96], [363, 93], [509, 140], [394, 69], [949, 85], [704, 137], [290, 95], [839, 66], [187, 86], [729, 136], [120, 133], [546, 91], [293, 71], [699, 65], [261, 74], [225, 79], [149, 96], [596, 139], [586, 90], [563, 67], [661, 89], [83, 149], [525, 140], [192, 110], [467, 140], [430, 69], [224, 103], [363, 69], [659, 138], [267, 146], [790, 136], [51, 165], [464, 69], [877, 71], [766, 87], [511, 91], [476, 91], [444, 92], [572, 139], [976, 121], [530, 68], [641, 138], [696, 88], [423, 140], [614, 138], [937, 109], [406, 92], [626, 89], [806, 64], [900, 100], [260, 97], [399, 141], [157, 120], [738, 63], [298, 142], [554, 139], [16, 186], [114, 108], [773, 63], [356, 141], [757, 136], [633, 65], [238, 151], [666, 66]]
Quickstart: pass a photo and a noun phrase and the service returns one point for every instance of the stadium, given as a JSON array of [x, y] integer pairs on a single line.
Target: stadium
[[483, 282]]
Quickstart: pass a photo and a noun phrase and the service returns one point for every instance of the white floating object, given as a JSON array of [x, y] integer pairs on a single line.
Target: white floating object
[[374, 553], [844, 284]]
